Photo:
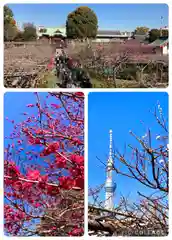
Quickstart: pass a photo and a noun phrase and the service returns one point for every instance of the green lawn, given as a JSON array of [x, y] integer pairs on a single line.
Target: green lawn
[[121, 83], [48, 80]]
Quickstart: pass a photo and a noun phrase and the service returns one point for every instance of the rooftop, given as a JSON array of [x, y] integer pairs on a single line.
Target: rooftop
[[113, 33], [159, 42], [51, 31]]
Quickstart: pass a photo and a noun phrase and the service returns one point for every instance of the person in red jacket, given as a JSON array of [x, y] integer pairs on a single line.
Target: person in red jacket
[[70, 63]]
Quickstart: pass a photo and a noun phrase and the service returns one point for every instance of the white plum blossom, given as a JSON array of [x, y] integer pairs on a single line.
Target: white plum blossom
[[145, 135], [158, 137], [161, 161], [160, 109]]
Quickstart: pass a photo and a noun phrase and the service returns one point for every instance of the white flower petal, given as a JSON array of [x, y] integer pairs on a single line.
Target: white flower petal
[[161, 161]]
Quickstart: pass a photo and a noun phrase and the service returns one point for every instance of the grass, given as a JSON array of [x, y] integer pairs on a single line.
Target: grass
[[98, 82], [48, 80], [121, 83]]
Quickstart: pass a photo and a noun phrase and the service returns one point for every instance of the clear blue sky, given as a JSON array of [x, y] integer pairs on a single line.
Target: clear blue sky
[[110, 16], [14, 107], [120, 112], [15, 104]]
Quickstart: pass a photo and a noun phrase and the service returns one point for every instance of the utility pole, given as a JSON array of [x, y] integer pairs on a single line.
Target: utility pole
[[161, 26]]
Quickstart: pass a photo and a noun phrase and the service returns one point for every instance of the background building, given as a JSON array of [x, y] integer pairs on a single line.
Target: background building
[[102, 35]]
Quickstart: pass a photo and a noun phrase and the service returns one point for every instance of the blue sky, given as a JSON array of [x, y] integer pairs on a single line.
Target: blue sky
[[111, 16], [120, 112], [14, 105]]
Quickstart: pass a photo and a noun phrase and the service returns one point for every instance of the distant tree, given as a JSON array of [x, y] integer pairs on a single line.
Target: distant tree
[[82, 23], [10, 28], [164, 33], [8, 15], [10, 32], [154, 34], [29, 33], [19, 37], [141, 30]]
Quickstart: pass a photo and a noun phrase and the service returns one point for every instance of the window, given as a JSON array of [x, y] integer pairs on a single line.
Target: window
[[43, 30]]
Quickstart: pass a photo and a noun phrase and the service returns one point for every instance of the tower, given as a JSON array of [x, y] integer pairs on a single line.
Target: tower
[[109, 185]]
